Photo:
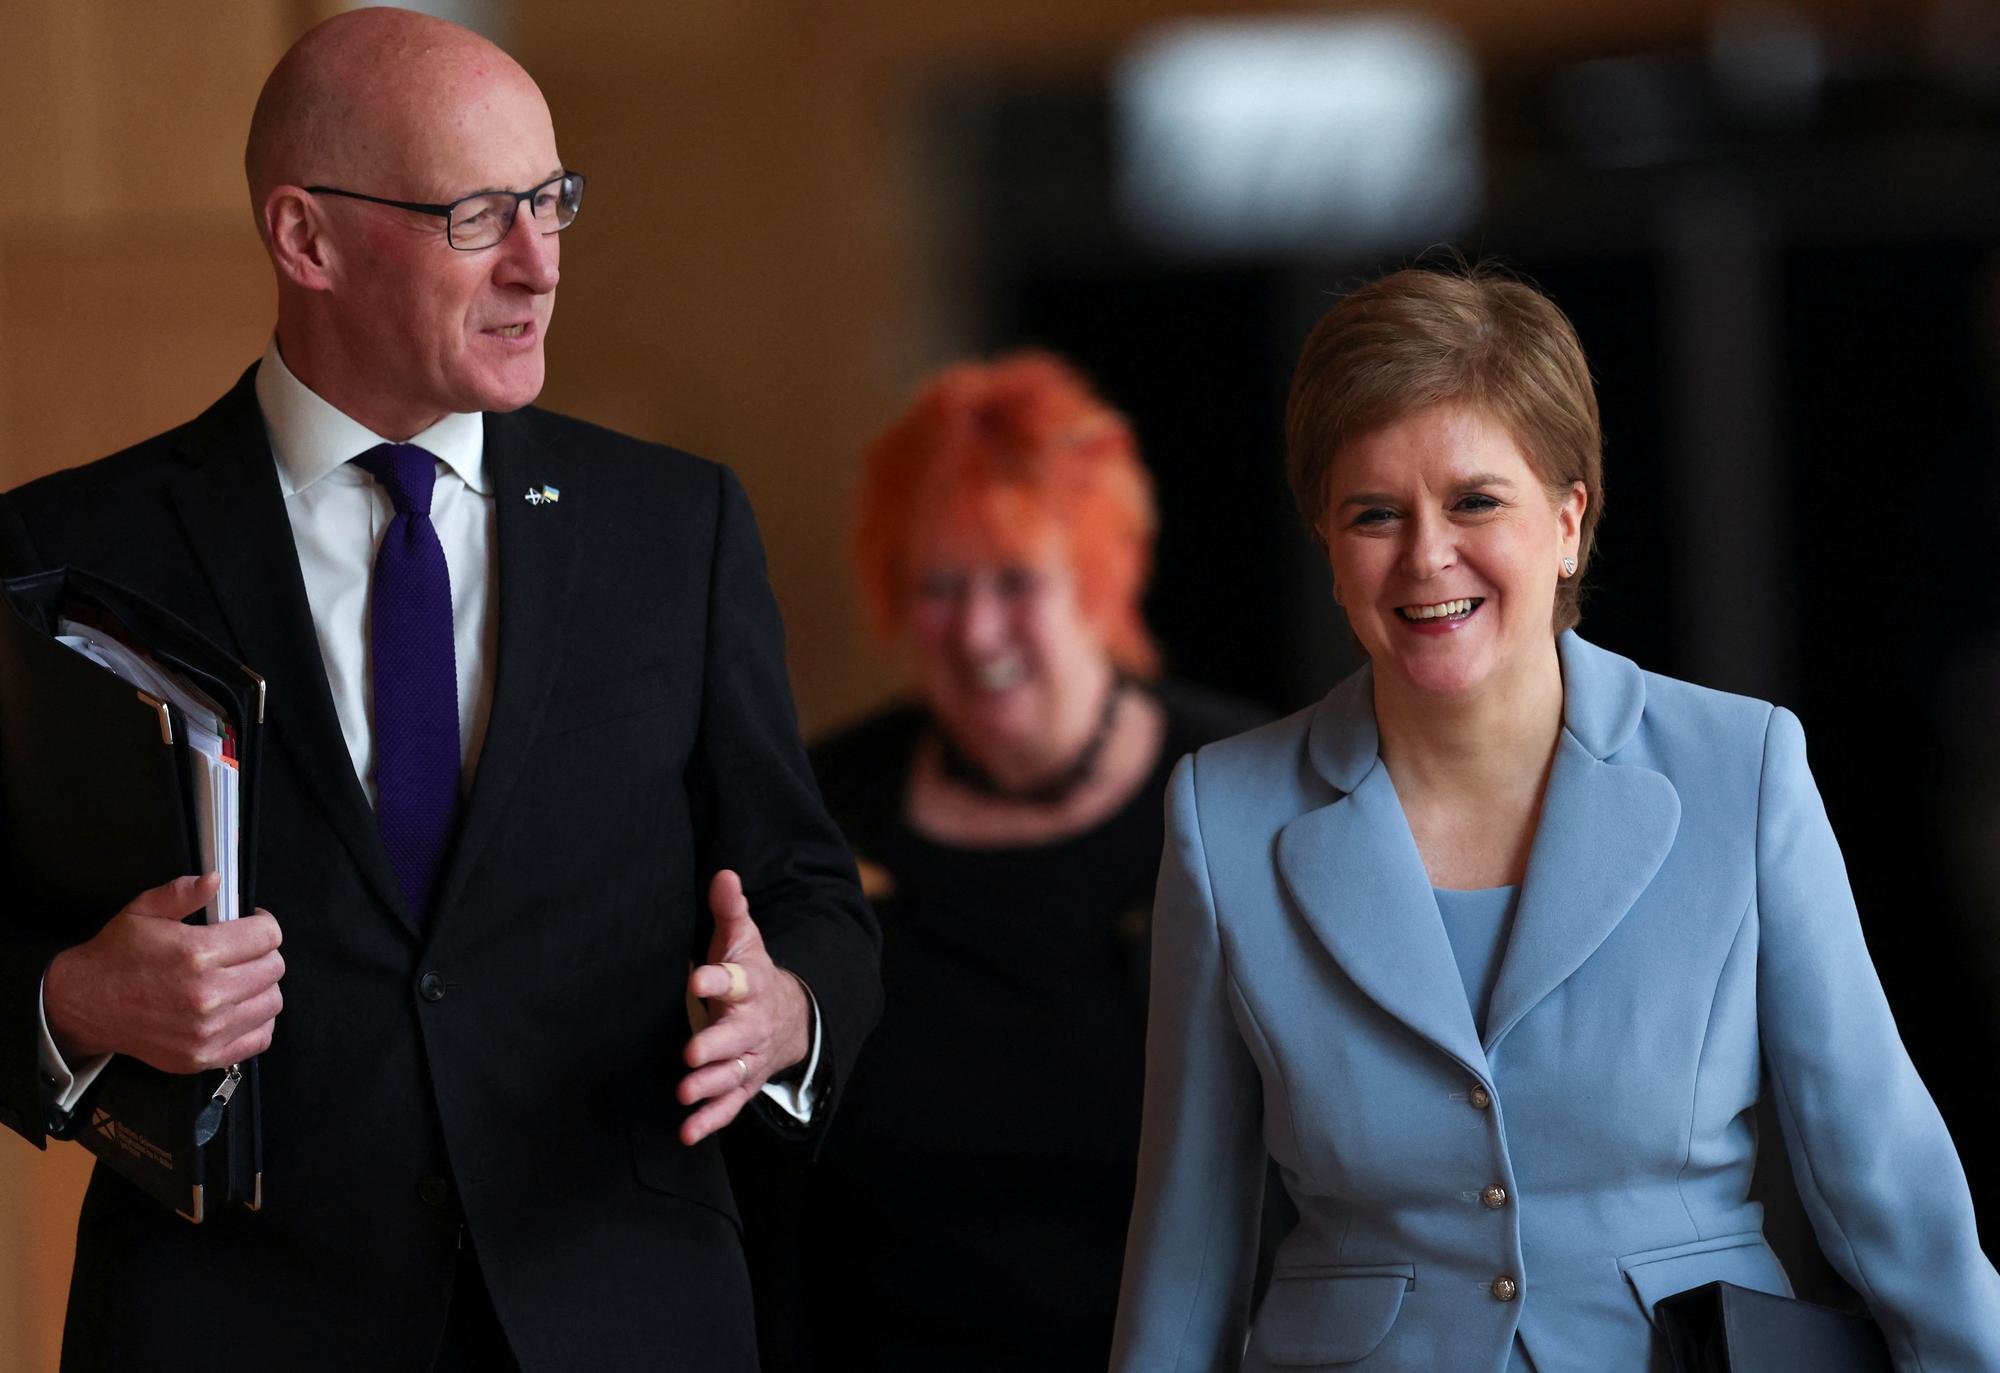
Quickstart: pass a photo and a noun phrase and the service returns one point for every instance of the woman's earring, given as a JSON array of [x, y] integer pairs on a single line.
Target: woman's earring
[[1569, 567]]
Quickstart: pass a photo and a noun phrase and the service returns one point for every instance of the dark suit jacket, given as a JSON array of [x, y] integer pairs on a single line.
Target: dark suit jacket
[[642, 735]]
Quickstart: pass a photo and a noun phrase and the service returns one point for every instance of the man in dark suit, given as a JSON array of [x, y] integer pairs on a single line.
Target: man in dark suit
[[534, 759]]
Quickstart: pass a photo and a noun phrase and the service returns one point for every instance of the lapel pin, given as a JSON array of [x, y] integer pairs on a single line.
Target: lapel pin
[[543, 495]]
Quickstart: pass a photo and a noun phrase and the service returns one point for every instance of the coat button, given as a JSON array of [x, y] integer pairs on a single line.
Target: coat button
[[433, 1191], [1504, 1289], [1494, 1197], [1479, 1097], [430, 987]]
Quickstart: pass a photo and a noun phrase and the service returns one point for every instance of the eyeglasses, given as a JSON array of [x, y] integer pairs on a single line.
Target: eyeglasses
[[479, 221]]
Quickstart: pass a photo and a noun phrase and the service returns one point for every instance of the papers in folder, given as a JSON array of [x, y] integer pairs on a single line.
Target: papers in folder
[[217, 773], [130, 745]]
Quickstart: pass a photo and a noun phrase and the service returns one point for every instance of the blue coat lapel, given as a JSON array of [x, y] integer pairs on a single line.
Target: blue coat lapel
[[1354, 871], [1605, 830], [1353, 868]]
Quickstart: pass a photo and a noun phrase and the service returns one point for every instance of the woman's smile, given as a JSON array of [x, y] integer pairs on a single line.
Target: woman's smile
[[997, 674], [1440, 617]]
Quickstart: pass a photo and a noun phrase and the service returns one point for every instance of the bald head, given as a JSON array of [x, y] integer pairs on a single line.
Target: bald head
[[364, 97], [392, 116]]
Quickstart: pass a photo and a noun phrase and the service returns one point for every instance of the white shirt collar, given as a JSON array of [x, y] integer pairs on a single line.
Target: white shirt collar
[[310, 438]]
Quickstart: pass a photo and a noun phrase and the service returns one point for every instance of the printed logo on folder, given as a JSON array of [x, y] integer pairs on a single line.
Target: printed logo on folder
[[130, 1140]]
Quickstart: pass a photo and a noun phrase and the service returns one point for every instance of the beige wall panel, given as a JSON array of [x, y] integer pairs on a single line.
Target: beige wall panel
[[125, 343], [193, 70], [39, 1197], [740, 285], [50, 103], [126, 107], [19, 1311], [613, 35]]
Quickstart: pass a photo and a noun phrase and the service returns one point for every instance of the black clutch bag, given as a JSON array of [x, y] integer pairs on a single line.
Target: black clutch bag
[[1723, 1328]]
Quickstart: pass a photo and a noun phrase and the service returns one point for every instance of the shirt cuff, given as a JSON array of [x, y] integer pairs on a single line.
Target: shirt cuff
[[70, 1084], [795, 1098]]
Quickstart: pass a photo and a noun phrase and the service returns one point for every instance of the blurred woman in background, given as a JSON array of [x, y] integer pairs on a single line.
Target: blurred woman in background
[[968, 1211]]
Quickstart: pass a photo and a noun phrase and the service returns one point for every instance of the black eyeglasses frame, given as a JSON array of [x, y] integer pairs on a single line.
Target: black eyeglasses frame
[[445, 211]]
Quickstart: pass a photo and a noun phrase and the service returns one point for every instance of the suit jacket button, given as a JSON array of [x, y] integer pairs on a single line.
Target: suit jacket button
[[1504, 1289], [430, 987], [1494, 1197], [433, 1191], [1479, 1097]]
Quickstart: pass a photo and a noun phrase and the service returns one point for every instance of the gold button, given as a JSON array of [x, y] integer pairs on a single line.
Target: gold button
[[1479, 1097], [1494, 1197], [1505, 1289]]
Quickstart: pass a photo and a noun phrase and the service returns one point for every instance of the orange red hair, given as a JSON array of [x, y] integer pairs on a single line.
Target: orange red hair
[[1014, 450]]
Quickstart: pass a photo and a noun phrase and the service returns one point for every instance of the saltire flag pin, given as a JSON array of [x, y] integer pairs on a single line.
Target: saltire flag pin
[[543, 495]]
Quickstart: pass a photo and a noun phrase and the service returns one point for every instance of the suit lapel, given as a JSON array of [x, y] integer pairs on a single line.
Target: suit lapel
[[536, 560], [230, 505], [1605, 830], [1354, 871]]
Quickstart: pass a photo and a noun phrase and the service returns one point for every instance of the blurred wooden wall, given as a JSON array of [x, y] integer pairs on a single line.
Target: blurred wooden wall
[[760, 275]]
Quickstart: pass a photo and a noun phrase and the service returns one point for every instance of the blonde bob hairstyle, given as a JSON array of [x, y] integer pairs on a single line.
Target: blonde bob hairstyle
[[1468, 335]]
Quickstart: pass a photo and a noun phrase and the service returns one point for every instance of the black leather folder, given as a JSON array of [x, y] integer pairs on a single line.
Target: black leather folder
[[1722, 1328], [97, 805]]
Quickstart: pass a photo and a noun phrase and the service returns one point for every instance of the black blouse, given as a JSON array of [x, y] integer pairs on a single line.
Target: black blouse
[[969, 1208]]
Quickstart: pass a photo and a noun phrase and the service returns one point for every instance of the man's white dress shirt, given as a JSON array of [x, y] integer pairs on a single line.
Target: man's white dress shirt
[[339, 514]]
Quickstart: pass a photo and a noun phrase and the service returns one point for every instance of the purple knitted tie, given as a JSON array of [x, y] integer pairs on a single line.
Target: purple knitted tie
[[416, 677]]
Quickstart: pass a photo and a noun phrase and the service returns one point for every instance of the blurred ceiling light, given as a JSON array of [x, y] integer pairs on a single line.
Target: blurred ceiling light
[[1328, 135]]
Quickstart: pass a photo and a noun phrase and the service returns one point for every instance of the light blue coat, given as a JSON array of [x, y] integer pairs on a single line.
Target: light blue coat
[[1685, 940]]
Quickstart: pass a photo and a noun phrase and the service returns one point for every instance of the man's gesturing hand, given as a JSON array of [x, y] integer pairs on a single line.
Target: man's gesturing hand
[[182, 998], [759, 1020]]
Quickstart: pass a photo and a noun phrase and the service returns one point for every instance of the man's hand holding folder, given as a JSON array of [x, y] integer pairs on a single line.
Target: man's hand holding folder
[[129, 751], [180, 998]]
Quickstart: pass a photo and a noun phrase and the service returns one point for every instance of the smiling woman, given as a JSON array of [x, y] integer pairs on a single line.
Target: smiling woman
[[969, 1212], [1493, 952], [1480, 343], [1442, 537]]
